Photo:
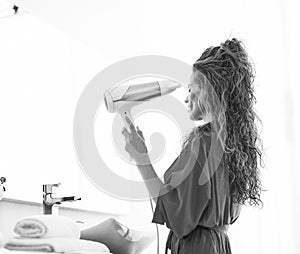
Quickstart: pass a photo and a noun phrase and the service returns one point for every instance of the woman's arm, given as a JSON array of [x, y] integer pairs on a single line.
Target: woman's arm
[[135, 146], [147, 172]]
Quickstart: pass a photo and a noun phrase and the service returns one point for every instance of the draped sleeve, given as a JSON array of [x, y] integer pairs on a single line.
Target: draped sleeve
[[182, 201]]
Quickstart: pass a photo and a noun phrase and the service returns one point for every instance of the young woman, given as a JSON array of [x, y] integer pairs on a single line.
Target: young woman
[[201, 198]]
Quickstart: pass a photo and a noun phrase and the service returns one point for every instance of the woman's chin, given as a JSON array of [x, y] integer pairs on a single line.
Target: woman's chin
[[199, 118], [191, 116]]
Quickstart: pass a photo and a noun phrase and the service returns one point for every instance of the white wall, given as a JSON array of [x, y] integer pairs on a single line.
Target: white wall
[[38, 100], [52, 70]]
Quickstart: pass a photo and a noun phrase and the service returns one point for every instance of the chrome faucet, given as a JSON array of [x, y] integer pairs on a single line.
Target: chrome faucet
[[49, 201], [2, 188]]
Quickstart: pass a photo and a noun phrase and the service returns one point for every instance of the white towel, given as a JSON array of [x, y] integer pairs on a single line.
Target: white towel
[[55, 244], [47, 225]]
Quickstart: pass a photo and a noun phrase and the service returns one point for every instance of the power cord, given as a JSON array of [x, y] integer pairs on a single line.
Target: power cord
[[157, 232]]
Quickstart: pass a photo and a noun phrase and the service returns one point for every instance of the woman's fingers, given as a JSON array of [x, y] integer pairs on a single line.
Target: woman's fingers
[[135, 144], [126, 134], [140, 133], [134, 132], [131, 126], [128, 147]]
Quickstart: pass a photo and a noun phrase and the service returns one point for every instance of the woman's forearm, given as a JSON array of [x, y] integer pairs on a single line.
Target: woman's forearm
[[148, 173]]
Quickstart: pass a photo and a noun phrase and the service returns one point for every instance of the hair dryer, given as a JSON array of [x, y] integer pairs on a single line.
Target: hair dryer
[[122, 98]]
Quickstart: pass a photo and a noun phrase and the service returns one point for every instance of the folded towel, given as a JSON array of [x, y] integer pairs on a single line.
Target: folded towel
[[55, 244], [47, 225]]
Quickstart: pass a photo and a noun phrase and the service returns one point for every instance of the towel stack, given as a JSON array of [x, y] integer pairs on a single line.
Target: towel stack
[[52, 233]]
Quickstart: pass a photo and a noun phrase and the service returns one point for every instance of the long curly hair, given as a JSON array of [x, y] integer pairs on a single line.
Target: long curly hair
[[227, 76]]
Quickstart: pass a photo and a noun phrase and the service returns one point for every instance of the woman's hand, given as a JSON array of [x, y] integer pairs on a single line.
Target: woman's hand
[[135, 144]]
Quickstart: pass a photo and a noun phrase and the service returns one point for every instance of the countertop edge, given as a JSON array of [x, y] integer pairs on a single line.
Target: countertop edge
[[32, 203]]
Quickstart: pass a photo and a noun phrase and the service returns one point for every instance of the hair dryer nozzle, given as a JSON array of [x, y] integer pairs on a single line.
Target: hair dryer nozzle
[[168, 86], [109, 103]]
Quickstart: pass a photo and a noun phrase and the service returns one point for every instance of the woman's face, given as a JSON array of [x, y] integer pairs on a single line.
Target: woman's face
[[195, 93]]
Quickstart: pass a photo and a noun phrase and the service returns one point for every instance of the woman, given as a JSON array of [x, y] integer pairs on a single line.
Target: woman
[[199, 200]]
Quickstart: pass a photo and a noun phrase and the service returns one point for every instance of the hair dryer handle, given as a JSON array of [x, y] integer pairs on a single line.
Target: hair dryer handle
[[124, 113]]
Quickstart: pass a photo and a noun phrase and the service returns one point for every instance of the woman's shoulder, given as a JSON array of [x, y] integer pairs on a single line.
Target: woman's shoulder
[[202, 135], [197, 142], [205, 127], [192, 156]]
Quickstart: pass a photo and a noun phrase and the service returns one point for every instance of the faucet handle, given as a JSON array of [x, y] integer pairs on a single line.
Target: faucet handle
[[47, 188], [2, 179]]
